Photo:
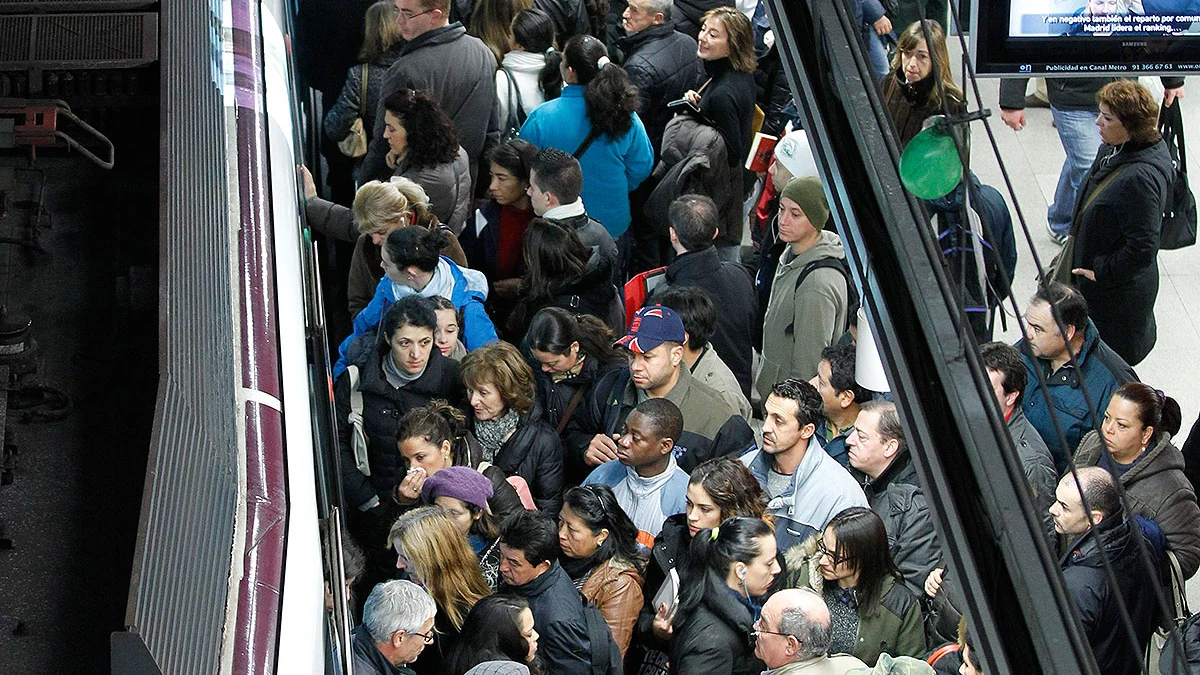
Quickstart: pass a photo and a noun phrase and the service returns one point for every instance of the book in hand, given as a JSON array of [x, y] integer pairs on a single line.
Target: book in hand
[[761, 152], [668, 593]]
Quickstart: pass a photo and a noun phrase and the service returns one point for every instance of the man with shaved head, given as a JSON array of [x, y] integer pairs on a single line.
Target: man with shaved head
[[1099, 526], [793, 633]]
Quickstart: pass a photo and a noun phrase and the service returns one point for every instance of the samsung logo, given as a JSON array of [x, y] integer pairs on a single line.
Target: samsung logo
[[1134, 44]]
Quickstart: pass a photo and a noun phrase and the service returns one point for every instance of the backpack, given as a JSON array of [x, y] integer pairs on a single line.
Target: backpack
[[1179, 220], [841, 265], [640, 287], [605, 655]]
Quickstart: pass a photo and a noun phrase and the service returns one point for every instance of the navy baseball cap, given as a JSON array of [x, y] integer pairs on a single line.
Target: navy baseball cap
[[652, 326]]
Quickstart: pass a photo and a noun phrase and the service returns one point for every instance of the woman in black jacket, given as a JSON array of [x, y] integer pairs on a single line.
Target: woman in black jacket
[[507, 424], [726, 101], [1118, 221], [561, 272], [729, 569], [570, 353], [718, 489]]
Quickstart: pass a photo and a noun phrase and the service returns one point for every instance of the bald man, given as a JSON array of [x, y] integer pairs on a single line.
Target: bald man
[[793, 633]]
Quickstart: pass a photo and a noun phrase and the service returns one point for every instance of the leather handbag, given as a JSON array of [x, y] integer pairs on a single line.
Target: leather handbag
[[355, 143]]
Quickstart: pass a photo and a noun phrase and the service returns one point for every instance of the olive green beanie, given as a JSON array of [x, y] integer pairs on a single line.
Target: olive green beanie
[[809, 195]]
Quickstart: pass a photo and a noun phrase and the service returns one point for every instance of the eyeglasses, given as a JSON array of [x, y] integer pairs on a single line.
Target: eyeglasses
[[756, 632], [409, 16], [823, 551], [427, 637]]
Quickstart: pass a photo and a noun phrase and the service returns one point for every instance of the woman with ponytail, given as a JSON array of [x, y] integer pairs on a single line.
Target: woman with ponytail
[[570, 353], [599, 553], [532, 48], [1137, 429], [728, 571], [595, 120]]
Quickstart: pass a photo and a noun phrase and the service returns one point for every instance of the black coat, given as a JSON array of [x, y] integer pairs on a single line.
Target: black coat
[[1117, 236], [1087, 584], [383, 406], [728, 104], [715, 639], [534, 453], [662, 62], [559, 619], [670, 544], [687, 14], [553, 398], [592, 293], [569, 16], [731, 290]]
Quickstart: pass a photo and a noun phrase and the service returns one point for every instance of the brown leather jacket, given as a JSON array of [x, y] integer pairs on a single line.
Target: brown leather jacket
[[616, 588]]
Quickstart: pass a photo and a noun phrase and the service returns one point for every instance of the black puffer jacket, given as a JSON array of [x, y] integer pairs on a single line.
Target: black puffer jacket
[[383, 406], [555, 397], [662, 62], [1117, 237], [534, 453], [592, 293], [1087, 584], [896, 497], [715, 639]]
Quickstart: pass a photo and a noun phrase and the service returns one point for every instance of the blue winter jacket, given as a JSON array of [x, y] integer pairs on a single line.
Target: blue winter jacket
[[467, 295], [611, 168], [1101, 370]]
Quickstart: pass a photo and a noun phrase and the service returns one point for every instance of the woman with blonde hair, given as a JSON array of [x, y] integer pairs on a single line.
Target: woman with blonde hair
[[379, 209], [511, 434], [434, 553], [911, 92], [359, 100], [492, 22]]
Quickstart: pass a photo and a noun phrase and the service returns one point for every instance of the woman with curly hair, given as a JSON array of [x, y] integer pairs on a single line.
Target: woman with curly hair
[[423, 146], [507, 425], [595, 120], [432, 552], [718, 489]]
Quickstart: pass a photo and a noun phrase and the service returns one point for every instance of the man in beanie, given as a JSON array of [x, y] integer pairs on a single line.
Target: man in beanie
[[809, 301], [655, 342]]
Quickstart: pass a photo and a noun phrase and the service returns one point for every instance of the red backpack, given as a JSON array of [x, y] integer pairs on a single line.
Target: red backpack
[[640, 287]]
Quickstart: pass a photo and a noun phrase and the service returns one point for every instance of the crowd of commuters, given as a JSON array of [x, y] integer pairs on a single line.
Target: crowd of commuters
[[546, 476]]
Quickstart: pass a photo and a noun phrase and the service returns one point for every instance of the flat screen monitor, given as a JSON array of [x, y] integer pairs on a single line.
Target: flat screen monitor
[[1073, 38]]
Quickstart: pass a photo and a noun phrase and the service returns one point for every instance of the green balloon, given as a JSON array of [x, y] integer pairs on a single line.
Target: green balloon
[[930, 166]]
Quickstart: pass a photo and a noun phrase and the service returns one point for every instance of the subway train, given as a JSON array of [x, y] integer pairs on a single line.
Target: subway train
[[230, 567]]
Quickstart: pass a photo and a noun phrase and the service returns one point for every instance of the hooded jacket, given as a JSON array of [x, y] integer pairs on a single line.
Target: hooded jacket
[[893, 626], [710, 427], [731, 290], [383, 406], [896, 497], [1117, 237], [663, 64], [715, 639], [459, 70], [612, 167], [467, 290], [1101, 371], [801, 321], [820, 489], [710, 369], [1158, 489], [1087, 584], [1038, 466]]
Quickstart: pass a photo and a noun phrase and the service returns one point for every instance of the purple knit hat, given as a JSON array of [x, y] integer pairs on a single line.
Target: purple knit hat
[[461, 482]]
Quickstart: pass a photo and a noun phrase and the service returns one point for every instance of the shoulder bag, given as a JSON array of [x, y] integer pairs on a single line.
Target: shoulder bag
[[358, 437], [1179, 219], [1061, 266], [355, 143]]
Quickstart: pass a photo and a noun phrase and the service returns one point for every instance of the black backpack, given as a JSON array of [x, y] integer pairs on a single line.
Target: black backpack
[[852, 300], [605, 654], [1179, 220]]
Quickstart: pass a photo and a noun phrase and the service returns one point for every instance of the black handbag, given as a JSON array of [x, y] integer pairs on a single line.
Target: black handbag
[[1179, 220]]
